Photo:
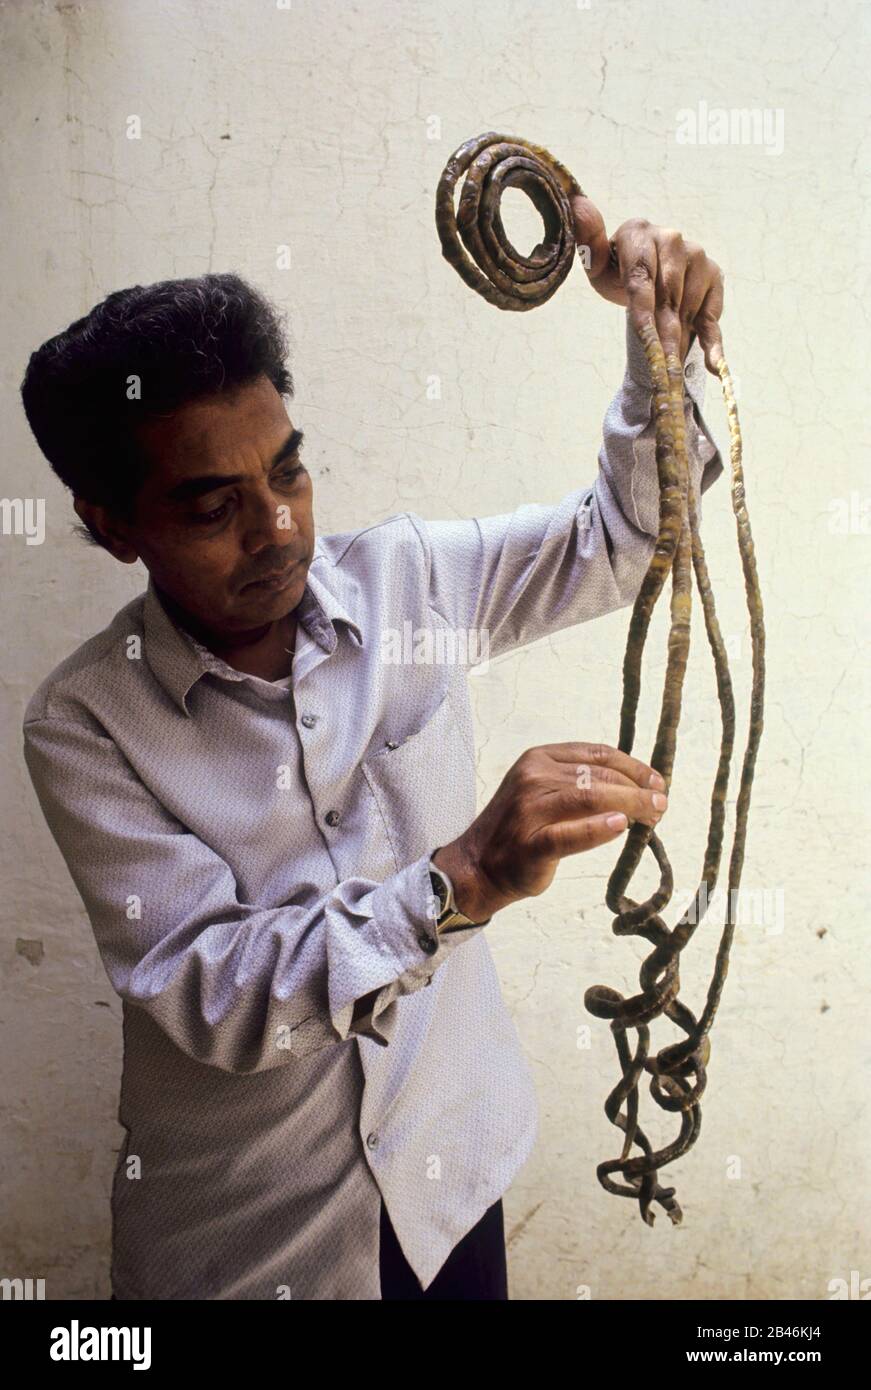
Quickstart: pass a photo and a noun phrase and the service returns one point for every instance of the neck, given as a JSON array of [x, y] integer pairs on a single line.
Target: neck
[[265, 651]]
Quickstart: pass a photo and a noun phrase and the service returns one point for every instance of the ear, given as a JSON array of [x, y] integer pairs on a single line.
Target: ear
[[113, 533]]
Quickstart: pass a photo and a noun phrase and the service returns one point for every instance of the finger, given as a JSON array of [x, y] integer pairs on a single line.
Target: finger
[[583, 774], [670, 273], [707, 323], [591, 237], [568, 802], [575, 836], [603, 755], [697, 282], [636, 253]]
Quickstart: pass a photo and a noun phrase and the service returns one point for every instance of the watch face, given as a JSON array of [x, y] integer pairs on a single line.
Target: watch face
[[440, 889]]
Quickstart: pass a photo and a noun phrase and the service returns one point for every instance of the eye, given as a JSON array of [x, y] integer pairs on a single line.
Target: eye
[[287, 477], [293, 472], [209, 518]]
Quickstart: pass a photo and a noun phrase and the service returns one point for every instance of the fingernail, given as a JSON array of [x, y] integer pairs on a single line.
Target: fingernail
[[616, 822], [656, 781], [660, 801]]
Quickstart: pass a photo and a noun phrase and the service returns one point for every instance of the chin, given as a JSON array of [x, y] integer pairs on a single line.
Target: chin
[[277, 603]]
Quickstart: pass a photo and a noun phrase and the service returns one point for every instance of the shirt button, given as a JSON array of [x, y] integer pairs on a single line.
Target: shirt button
[[371, 1140], [690, 369], [332, 817], [308, 721], [427, 944], [390, 744]]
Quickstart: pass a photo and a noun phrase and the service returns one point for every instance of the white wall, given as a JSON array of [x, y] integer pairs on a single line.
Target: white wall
[[308, 126]]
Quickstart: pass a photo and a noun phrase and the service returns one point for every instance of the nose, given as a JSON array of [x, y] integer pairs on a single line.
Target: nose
[[270, 522]]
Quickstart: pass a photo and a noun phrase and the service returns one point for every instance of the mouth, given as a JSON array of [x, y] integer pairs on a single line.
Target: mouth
[[274, 582]]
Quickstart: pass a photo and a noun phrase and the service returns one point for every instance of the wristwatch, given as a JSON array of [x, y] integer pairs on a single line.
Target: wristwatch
[[450, 918]]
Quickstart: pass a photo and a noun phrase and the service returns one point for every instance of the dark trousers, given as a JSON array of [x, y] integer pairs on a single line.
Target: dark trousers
[[475, 1269]]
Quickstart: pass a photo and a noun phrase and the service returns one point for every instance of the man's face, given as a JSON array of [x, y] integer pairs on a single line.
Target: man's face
[[226, 502]]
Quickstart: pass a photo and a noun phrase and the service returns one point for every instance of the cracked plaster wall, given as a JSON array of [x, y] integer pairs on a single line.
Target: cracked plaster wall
[[309, 127]]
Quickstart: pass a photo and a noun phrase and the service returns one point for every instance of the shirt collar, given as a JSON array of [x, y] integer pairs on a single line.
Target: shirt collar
[[178, 660]]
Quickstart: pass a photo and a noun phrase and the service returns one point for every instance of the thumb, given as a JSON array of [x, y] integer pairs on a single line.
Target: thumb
[[590, 236]]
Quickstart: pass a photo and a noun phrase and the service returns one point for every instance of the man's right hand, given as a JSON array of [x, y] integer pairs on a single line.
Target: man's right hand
[[560, 799]]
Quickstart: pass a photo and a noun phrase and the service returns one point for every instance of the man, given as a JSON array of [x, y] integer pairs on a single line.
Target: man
[[271, 819]]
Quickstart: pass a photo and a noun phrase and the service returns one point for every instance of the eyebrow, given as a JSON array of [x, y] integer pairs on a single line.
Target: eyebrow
[[207, 482]]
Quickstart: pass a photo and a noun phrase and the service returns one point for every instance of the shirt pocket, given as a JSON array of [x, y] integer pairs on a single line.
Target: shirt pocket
[[424, 788]]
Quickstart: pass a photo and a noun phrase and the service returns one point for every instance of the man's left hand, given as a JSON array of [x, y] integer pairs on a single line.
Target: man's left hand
[[658, 276]]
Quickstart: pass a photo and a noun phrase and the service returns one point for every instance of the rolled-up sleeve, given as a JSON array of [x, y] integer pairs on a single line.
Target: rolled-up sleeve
[[515, 578], [235, 985]]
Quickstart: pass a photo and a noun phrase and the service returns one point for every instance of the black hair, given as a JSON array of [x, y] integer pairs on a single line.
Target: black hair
[[141, 353]]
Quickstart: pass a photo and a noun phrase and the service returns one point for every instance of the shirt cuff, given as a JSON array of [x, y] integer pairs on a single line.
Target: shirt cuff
[[704, 456], [404, 911], [638, 372]]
